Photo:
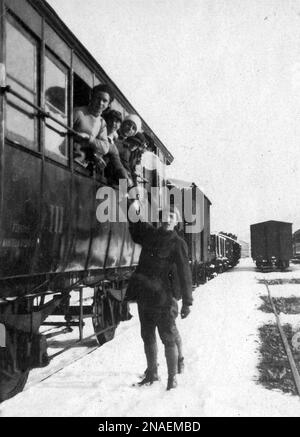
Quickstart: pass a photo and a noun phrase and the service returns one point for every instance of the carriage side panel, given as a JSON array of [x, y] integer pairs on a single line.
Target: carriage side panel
[[20, 213]]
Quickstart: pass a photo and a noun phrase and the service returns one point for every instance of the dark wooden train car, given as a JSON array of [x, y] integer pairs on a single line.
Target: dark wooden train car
[[232, 251], [271, 244], [236, 253], [225, 252], [296, 246], [198, 241], [50, 239], [218, 258]]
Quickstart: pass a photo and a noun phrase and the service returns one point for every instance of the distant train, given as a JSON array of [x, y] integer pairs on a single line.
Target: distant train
[[198, 242], [208, 253], [271, 244], [51, 242], [225, 252]]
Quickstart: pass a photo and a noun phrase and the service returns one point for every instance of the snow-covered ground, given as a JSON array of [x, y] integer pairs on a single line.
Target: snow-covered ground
[[221, 352]]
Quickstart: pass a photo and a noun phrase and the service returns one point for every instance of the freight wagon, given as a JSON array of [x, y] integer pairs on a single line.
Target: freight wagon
[[271, 244]]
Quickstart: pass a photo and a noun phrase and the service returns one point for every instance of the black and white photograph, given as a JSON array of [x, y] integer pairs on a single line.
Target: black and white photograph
[[149, 210]]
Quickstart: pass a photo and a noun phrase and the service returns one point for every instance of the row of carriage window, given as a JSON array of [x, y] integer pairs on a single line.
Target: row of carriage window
[[22, 75]]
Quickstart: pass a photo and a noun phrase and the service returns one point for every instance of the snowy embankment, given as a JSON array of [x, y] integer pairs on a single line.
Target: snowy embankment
[[221, 352]]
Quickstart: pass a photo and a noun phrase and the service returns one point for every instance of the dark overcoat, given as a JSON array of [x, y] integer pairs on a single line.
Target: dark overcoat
[[163, 271]]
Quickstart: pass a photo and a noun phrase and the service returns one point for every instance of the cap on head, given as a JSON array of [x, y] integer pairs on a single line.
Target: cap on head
[[136, 120], [141, 137], [103, 88], [133, 141], [137, 140], [112, 114]]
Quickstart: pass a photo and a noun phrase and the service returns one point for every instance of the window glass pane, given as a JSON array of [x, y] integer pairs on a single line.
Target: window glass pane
[[56, 81], [55, 143], [24, 92], [21, 55], [56, 89], [20, 126]]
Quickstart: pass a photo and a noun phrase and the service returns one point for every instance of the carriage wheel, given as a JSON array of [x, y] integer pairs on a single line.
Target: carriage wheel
[[103, 319], [283, 265]]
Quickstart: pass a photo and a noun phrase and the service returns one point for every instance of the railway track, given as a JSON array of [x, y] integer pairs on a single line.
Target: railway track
[[58, 361], [288, 350], [89, 343]]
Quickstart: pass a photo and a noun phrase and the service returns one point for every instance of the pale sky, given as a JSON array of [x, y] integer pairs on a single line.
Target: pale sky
[[219, 82]]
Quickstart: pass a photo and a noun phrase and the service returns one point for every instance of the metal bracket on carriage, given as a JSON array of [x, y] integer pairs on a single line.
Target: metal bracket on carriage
[[92, 281], [113, 276], [117, 294], [29, 322]]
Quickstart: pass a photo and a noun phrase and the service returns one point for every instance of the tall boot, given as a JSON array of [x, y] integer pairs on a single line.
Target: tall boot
[[180, 354], [151, 372], [171, 353]]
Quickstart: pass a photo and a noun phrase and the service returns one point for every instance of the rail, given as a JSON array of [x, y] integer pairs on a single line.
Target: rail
[[292, 363]]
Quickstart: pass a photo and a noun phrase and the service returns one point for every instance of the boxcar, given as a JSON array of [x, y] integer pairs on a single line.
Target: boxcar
[[271, 244]]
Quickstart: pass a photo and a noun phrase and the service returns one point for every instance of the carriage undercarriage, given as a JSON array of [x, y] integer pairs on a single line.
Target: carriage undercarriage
[[23, 348]]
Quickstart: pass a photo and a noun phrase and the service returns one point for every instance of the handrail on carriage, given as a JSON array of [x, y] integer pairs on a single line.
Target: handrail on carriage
[[41, 111]]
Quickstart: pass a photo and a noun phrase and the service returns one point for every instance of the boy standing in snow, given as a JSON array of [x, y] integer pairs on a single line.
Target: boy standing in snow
[[153, 286]]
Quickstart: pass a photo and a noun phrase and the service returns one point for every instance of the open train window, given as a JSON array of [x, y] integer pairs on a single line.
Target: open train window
[[56, 103], [21, 67], [81, 93], [118, 107], [81, 97]]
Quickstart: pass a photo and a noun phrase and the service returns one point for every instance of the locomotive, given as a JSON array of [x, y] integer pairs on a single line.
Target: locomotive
[[51, 243]]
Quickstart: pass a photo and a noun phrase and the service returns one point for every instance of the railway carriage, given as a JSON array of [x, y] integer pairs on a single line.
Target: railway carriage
[[217, 253], [225, 252], [50, 239], [198, 242]]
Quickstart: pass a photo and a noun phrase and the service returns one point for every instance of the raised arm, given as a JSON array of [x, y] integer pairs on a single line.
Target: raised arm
[[140, 231]]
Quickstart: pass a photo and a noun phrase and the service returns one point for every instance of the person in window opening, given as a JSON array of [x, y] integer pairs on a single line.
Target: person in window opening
[[137, 146], [156, 290], [130, 126], [91, 142], [114, 167]]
